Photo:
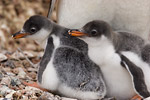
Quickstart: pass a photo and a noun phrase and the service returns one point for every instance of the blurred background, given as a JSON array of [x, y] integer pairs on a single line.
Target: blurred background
[[15, 55], [13, 14]]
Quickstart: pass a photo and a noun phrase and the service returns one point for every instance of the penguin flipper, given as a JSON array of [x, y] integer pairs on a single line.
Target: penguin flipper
[[137, 77]]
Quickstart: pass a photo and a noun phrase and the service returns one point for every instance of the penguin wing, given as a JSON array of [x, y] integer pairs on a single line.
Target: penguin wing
[[137, 77]]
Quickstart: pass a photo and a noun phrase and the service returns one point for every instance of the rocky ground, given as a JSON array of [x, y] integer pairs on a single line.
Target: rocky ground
[[15, 55], [15, 67]]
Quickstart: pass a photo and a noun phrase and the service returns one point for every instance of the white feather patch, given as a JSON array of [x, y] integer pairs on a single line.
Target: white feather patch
[[118, 80], [40, 37], [50, 80], [84, 95]]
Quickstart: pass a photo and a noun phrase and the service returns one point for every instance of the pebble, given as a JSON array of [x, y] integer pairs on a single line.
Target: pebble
[[3, 57], [19, 55], [10, 74], [28, 54], [1, 75], [30, 47], [50, 96], [17, 95], [31, 69], [4, 99], [21, 73], [9, 63], [6, 70], [5, 90], [16, 70], [15, 81], [32, 75], [10, 95], [5, 81], [46, 95]]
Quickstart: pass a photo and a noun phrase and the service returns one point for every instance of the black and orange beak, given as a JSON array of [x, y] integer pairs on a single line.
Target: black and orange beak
[[76, 33], [19, 35]]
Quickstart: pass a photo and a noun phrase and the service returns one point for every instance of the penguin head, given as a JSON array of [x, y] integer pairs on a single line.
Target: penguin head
[[93, 31], [36, 27]]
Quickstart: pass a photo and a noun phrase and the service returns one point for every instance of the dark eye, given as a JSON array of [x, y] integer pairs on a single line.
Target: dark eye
[[33, 29], [94, 32]]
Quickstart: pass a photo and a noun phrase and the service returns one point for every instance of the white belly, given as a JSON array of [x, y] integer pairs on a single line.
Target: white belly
[[84, 95], [50, 79], [118, 80]]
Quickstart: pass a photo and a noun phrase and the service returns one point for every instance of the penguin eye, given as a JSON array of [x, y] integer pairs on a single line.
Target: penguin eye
[[94, 32], [33, 30]]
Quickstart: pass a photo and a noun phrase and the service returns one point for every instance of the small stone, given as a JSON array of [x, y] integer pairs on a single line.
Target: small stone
[[1, 75], [31, 70], [17, 95], [32, 75], [5, 90], [24, 97], [15, 81], [4, 99], [3, 57], [10, 95], [9, 63], [16, 70], [10, 74], [28, 54], [19, 55], [21, 73], [30, 47], [31, 91], [5, 81], [46, 96], [6, 69], [21, 86]]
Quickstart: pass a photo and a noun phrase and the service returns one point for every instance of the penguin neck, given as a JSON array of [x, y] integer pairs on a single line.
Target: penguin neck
[[101, 51], [55, 30], [58, 30], [115, 40]]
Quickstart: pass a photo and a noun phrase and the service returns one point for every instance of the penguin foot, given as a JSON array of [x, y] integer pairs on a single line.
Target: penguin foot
[[34, 84], [136, 97]]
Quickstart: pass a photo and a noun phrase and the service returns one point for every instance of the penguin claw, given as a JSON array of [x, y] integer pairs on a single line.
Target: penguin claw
[[34, 84], [136, 97]]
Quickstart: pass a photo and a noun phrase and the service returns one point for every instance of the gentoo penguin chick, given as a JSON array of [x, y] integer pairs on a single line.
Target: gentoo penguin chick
[[137, 77], [65, 67], [103, 44]]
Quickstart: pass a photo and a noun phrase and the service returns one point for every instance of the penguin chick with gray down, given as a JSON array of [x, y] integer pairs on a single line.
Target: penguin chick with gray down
[[65, 67], [103, 45]]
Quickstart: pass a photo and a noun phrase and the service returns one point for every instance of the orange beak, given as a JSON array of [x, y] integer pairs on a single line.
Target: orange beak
[[19, 35], [76, 33]]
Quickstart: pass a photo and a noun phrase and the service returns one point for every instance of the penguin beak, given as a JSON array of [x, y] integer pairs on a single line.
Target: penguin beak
[[20, 34], [76, 33]]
